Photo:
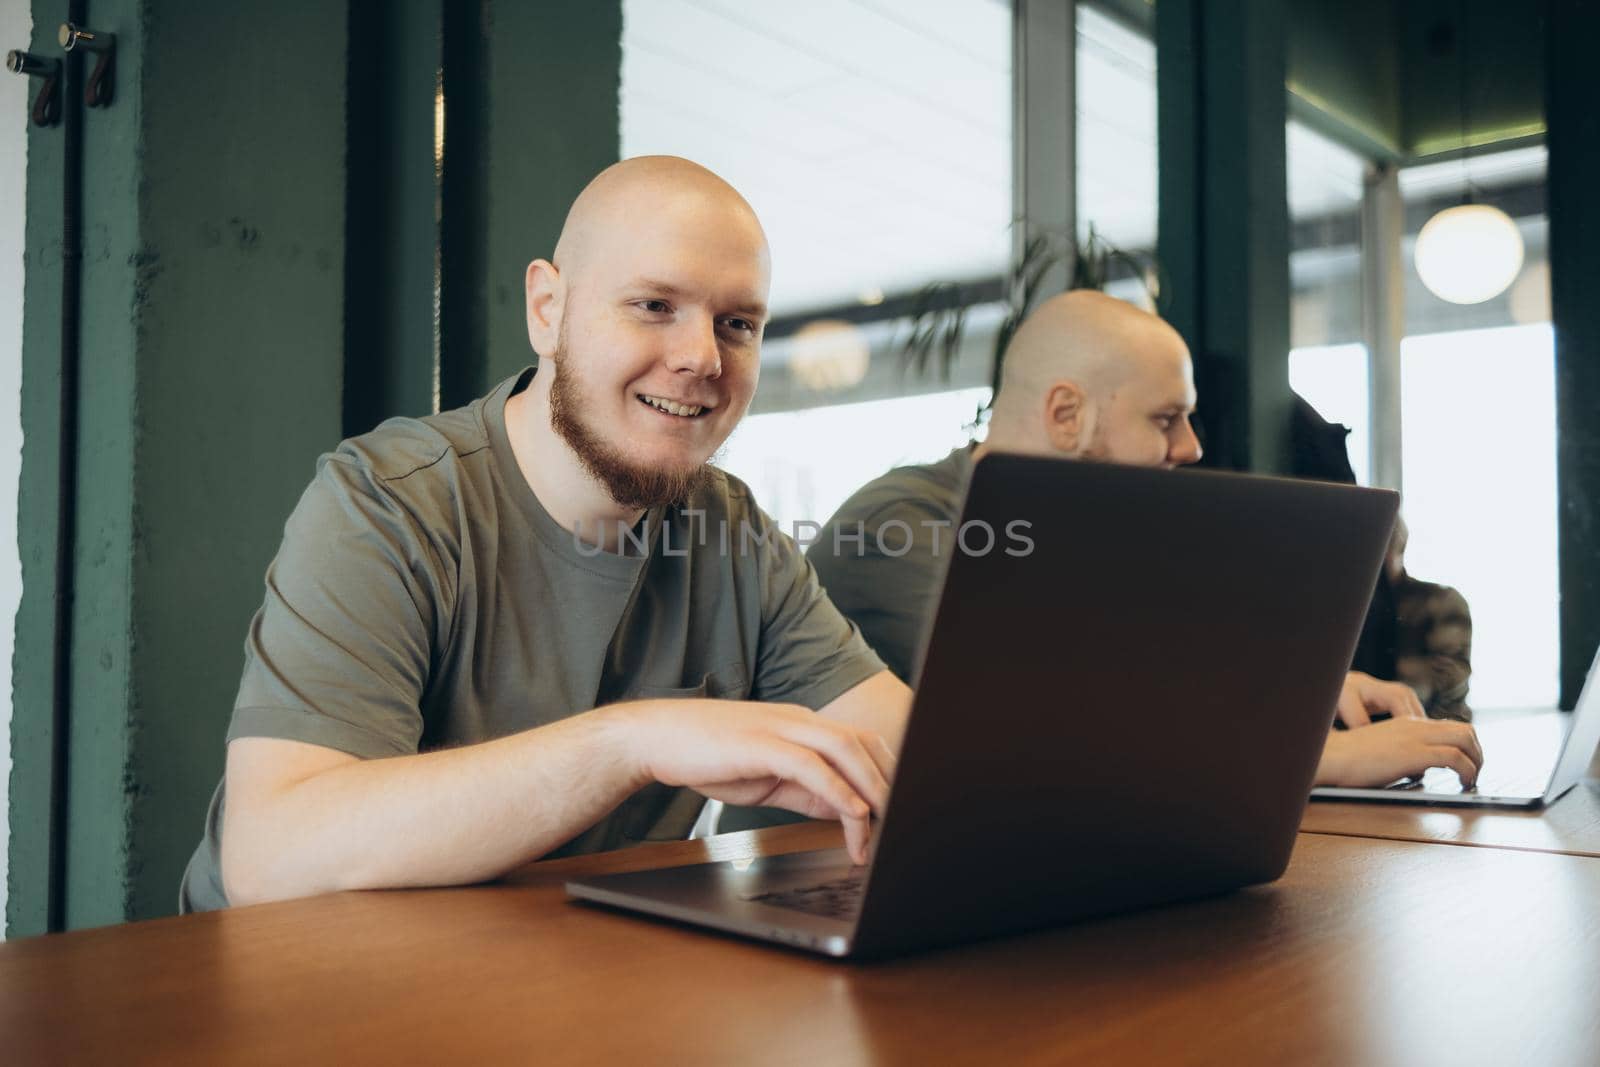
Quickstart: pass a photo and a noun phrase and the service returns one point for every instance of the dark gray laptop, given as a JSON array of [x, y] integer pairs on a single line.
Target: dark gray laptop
[[1128, 715], [1529, 761]]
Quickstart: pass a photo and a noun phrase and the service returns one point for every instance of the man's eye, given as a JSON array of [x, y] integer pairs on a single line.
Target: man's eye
[[655, 307], [1164, 421], [742, 325]]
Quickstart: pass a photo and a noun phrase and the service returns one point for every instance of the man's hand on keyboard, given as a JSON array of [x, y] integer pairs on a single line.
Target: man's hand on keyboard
[[1364, 696], [1385, 752], [752, 753]]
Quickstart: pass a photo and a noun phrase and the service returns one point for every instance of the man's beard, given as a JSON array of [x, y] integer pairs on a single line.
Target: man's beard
[[628, 484]]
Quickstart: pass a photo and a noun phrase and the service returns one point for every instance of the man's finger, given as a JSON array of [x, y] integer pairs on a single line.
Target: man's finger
[[1352, 712], [800, 800], [856, 832], [883, 754], [875, 750], [847, 755], [1415, 703], [1455, 759], [1397, 698], [1461, 736], [809, 770], [1393, 698]]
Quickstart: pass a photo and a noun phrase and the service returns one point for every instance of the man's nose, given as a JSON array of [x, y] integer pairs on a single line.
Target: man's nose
[[1186, 448], [695, 350]]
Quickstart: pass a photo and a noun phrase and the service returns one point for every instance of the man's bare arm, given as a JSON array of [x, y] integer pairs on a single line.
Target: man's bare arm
[[880, 705], [302, 819]]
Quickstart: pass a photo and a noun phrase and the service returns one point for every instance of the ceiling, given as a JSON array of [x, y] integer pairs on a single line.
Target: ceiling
[[1416, 79], [873, 137]]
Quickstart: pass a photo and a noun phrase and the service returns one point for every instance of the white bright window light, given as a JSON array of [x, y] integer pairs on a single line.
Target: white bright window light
[[1469, 253]]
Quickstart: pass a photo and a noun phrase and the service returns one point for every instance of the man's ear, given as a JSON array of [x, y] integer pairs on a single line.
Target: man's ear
[[1067, 417], [546, 296]]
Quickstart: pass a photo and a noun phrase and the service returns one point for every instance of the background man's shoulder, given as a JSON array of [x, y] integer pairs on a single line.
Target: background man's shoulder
[[927, 491]]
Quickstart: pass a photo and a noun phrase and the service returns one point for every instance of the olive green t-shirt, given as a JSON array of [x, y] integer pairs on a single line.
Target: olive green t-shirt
[[424, 598], [883, 554]]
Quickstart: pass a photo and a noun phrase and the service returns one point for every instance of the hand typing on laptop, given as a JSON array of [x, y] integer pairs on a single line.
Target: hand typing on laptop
[[772, 755], [1388, 736], [1385, 752], [1364, 697]]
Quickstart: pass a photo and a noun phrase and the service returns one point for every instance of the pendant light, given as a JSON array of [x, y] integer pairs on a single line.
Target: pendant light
[[1471, 252]]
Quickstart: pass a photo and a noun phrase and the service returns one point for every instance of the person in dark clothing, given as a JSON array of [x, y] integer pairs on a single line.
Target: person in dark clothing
[[1432, 636], [1416, 632]]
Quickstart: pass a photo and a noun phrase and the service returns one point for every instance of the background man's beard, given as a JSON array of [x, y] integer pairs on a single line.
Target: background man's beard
[[628, 484]]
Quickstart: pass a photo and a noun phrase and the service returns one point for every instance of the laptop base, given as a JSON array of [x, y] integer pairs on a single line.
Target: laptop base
[[727, 896]]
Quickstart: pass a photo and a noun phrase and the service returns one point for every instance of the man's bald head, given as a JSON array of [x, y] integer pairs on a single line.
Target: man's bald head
[[648, 324], [1090, 375], [651, 219], [624, 196]]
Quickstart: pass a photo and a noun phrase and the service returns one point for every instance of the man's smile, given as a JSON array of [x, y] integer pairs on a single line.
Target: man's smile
[[674, 407]]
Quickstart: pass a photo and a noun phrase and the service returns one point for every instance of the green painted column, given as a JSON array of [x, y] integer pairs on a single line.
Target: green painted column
[[391, 223], [43, 520], [265, 235], [532, 95], [211, 328], [1224, 218], [1574, 140]]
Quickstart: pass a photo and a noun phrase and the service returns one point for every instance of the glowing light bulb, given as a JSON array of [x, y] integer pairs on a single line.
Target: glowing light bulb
[[1469, 254]]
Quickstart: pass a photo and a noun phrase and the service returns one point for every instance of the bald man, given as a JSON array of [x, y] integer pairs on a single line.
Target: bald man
[[514, 628], [1086, 376]]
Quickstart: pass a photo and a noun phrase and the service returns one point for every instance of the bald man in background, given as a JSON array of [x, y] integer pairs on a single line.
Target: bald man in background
[[502, 631], [1090, 377]]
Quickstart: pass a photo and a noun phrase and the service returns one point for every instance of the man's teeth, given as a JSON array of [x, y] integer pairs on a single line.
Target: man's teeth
[[672, 407]]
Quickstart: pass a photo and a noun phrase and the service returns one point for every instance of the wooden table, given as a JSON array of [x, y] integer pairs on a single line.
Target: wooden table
[[1367, 952], [1570, 825]]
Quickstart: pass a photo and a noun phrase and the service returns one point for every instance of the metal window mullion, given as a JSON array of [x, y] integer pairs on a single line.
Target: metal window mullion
[[1044, 129], [1383, 318]]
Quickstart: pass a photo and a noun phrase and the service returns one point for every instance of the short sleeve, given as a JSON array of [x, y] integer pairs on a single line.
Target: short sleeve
[[884, 574], [339, 653], [809, 654]]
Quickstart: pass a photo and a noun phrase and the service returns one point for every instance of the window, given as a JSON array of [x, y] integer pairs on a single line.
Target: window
[[1478, 441], [1477, 398], [1328, 357], [872, 179], [1480, 496], [1117, 191], [804, 464]]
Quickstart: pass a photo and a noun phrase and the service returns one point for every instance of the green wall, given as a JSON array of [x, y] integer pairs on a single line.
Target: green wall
[[537, 91], [233, 280], [216, 262], [1574, 277], [1223, 233], [210, 322]]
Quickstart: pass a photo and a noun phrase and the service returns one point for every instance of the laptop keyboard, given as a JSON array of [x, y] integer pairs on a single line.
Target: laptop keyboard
[[1491, 784], [839, 899]]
